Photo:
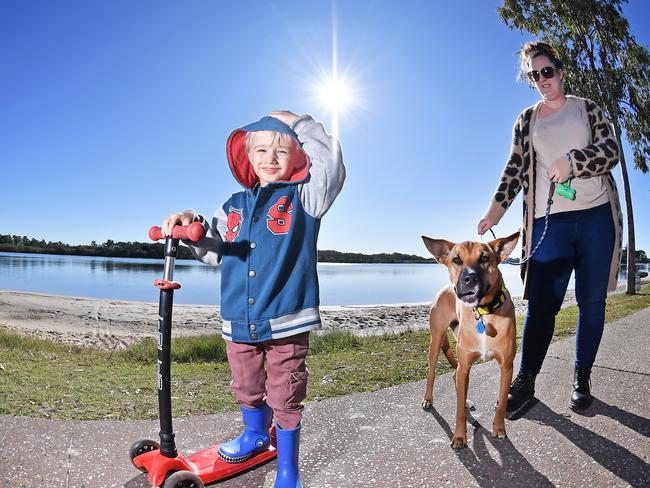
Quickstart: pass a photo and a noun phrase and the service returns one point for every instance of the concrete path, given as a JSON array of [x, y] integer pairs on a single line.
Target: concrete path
[[384, 439]]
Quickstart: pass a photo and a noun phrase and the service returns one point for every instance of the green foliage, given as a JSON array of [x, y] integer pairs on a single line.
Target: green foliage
[[109, 248], [144, 351], [603, 61], [199, 349], [333, 341], [26, 345], [114, 249], [640, 256], [355, 257], [187, 349]]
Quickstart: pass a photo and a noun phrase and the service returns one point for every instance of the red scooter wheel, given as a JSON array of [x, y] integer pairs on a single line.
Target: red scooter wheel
[[183, 479], [140, 447]]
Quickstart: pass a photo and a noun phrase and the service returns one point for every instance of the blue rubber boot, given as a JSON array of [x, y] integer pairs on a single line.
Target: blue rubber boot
[[287, 444], [255, 437]]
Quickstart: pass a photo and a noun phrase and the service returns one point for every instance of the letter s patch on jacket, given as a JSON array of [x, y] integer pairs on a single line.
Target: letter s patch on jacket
[[279, 221], [233, 223]]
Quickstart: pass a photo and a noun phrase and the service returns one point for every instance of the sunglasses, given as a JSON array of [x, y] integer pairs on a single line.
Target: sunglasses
[[547, 72]]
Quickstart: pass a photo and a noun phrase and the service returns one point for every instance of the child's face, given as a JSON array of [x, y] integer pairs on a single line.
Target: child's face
[[271, 153]]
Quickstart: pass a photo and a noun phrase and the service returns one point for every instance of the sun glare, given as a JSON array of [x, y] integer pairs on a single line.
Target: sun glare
[[334, 90], [335, 94]]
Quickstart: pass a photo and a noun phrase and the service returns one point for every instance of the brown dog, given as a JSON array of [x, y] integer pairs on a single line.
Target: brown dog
[[478, 309]]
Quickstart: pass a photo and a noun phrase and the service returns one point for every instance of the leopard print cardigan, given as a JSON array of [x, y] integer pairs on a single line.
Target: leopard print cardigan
[[598, 158]]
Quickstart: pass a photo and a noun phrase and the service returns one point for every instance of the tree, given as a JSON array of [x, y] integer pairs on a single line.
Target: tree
[[639, 257], [603, 62]]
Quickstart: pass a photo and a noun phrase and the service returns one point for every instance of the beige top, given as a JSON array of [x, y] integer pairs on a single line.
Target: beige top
[[553, 137], [597, 159]]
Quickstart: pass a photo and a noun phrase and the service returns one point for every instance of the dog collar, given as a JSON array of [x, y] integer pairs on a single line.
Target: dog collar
[[499, 300]]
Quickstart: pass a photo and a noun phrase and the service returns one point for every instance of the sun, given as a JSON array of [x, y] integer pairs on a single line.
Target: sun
[[335, 90], [335, 94]]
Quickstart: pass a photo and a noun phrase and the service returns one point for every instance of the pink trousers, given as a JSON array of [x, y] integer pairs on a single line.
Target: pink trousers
[[283, 379]]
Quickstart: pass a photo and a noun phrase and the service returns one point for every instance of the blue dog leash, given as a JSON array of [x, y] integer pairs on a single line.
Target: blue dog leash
[[565, 190], [517, 261]]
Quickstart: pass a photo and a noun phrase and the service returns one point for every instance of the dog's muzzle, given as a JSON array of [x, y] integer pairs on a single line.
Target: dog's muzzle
[[469, 287]]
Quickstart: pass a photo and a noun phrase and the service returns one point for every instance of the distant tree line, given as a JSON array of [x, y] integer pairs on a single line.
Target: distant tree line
[[9, 243], [355, 257], [109, 248]]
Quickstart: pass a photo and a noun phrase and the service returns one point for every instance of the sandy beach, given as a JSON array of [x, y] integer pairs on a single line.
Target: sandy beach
[[110, 324]]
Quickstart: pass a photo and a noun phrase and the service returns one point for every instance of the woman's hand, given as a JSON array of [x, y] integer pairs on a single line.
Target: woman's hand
[[284, 116], [185, 218], [558, 172], [484, 225]]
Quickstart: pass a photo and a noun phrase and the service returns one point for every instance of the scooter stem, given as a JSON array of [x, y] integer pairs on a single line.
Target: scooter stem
[[193, 232], [167, 443]]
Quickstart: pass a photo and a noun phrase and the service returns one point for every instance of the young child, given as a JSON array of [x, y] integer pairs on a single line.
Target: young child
[[265, 238]]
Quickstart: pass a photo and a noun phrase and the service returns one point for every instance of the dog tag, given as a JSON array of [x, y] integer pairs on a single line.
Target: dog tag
[[480, 326]]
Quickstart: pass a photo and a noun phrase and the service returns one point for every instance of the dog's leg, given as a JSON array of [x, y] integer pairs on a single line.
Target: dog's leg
[[462, 382], [449, 353], [499, 425], [434, 352], [441, 315]]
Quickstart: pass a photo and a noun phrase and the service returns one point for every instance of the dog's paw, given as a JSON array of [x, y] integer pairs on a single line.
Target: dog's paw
[[499, 432], [459, 442], [427, 405]]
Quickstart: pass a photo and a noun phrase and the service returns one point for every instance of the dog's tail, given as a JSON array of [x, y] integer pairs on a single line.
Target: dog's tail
[[449, 353]]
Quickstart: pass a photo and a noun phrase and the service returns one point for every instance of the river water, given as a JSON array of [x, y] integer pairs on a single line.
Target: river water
[[132, 279]]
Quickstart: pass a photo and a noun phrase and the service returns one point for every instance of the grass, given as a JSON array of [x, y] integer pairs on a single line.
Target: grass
[[40, 378]]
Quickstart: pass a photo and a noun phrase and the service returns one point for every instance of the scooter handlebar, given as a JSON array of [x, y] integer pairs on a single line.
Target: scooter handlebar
[[193, 232]]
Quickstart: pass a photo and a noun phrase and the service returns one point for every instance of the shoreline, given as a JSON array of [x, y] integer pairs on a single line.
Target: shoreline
[[115, 324]]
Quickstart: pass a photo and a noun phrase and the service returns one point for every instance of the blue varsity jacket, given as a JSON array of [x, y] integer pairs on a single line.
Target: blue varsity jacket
[[265, 237]]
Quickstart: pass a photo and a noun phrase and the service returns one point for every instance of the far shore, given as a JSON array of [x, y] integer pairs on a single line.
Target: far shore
[[110, 324]]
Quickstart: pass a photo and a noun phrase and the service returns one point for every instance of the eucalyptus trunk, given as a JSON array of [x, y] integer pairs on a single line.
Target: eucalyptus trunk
[[630, 288]]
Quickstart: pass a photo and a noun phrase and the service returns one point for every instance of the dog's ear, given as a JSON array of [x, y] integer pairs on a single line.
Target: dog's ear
[[504, 246], [439, 248]]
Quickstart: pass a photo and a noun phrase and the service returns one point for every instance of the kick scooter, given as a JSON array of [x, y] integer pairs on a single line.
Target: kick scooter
[[164, 466]]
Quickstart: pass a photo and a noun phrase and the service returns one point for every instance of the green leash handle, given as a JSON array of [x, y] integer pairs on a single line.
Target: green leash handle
[[565, 190]]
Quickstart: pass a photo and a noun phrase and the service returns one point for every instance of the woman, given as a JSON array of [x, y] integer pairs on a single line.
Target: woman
[[561, 139]]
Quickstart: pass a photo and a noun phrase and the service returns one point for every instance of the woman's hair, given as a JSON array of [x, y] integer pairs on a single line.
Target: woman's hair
[[533, 49]]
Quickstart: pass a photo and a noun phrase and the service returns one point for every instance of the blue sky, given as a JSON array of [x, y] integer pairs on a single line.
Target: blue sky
[[115, 113]]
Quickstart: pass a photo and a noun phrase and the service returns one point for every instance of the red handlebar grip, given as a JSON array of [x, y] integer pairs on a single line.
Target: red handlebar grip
[[193, 232], [155, 233]]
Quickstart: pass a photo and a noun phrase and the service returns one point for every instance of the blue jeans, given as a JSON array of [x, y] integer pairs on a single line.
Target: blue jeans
[[581, 240]]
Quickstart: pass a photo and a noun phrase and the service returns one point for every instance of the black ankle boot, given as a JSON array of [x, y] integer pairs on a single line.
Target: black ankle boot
[[581, 397], [521, 391]]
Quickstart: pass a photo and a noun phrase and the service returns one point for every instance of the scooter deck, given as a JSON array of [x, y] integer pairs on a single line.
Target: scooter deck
[[206, 464], [211, 467]]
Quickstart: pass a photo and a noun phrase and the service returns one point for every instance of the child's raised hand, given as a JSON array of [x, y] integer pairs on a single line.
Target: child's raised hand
[[284, 116], [185, 218]]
